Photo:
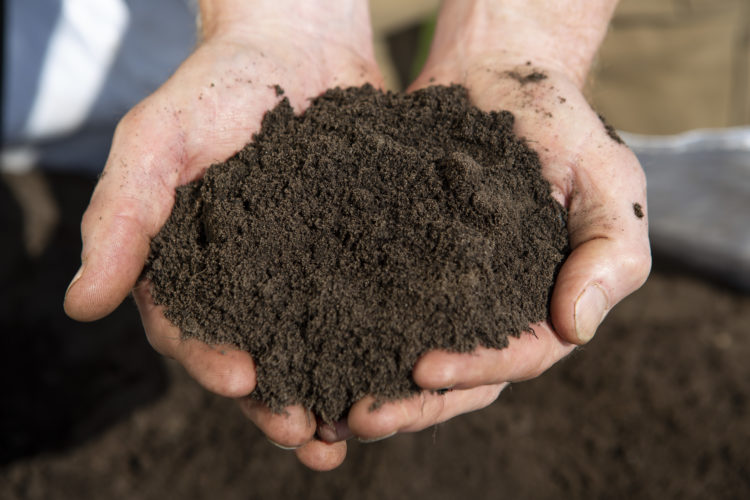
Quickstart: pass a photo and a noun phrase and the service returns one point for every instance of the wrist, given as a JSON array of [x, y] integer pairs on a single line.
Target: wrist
[[562, 37], [337, 20]]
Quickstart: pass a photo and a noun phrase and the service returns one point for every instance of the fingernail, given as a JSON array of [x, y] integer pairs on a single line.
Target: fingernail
[[281, 446], [590, 309], [376, 439], [75, 278]]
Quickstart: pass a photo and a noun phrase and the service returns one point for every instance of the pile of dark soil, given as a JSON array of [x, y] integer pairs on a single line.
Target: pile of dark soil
[[342, 244], [656, 406]]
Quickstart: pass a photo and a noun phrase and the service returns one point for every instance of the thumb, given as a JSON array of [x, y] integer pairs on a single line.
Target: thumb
[[129, 204], [115, 246], [611, 256]]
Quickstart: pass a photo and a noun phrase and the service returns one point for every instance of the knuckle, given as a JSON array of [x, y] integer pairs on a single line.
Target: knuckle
[[491, 393], [286, 433], [234, 385], [132, 119], [439, 406], [637, 265], [538, 367]]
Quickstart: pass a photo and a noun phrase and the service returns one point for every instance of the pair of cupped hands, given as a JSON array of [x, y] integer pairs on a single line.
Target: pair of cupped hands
[[214, 103]]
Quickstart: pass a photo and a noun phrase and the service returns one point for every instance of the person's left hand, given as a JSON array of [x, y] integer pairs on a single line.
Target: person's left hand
[[601, 184]]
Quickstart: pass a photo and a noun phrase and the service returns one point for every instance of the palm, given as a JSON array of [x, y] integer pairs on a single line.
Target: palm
[[598, 180], [227, 90], [216, 100], [205, 113]]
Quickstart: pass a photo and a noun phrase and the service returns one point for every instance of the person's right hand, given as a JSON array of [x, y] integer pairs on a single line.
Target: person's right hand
[[205, 113]]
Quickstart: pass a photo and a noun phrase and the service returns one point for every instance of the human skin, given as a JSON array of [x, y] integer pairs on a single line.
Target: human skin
[[215, 101], [203, 114], [487, 46]]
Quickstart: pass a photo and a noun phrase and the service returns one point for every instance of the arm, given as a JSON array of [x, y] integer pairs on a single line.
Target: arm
[[562, 36]]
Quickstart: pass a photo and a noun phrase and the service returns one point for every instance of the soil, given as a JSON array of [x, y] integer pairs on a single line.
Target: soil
[[533, 77], [638, 210], [611, 131], [340, 245], [656, 406]]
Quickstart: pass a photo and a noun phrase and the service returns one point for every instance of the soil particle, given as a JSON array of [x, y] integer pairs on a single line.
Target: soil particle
[[341, 244], [638, 210], [533, 77], [611, 132]]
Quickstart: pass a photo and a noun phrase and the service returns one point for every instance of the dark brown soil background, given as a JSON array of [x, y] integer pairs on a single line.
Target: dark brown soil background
[[342, 244], [655, 407]]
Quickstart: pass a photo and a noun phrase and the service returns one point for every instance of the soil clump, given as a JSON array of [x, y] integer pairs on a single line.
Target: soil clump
[[638, 210], [533, 77], [611, 131], [341, 244]]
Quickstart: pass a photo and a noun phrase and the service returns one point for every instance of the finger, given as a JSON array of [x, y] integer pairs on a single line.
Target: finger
[[289, 429], [608, 233], [604, 188], [130, 203], [336, 431], [416, 413], [525, 358], [595, 277], [221, 369], [321, 456]]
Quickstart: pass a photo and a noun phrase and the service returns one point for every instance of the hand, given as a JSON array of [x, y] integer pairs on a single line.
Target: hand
[[597, 179], [205, 113]]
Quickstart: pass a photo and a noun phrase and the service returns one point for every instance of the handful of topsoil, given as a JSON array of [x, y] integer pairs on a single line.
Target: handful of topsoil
[[342, 244]]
